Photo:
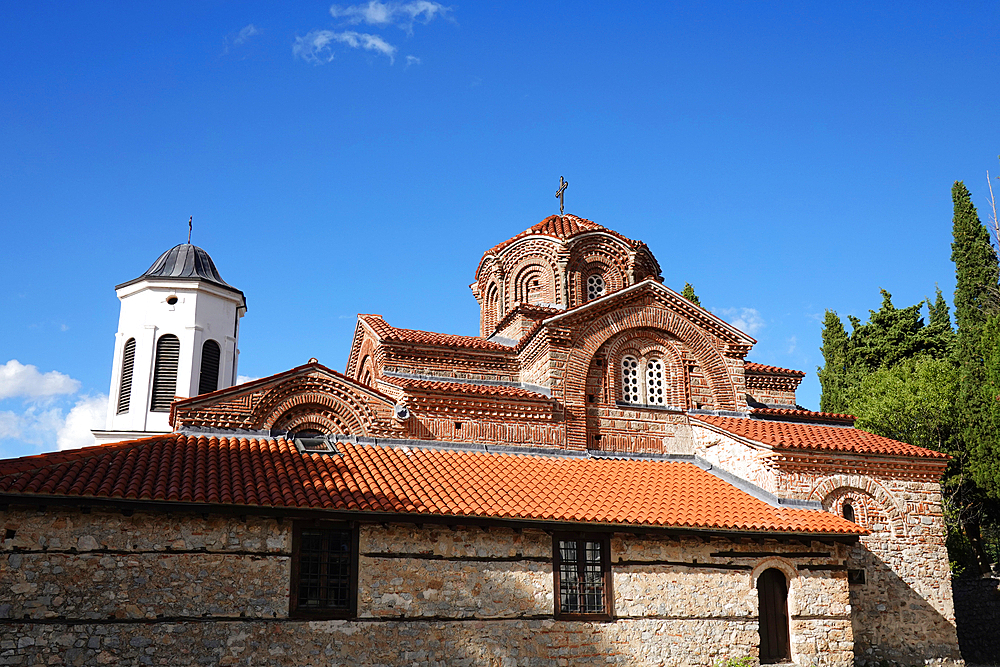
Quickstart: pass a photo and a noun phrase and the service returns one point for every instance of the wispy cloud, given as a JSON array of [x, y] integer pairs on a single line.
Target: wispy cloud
[[18, 380], [792, 344], [747, 320], [243, 379], [400, 14], [412, 60], [316, 46], [245, 34]]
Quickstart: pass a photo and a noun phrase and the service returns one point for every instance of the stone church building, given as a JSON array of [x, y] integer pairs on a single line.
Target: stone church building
[[600, 477]]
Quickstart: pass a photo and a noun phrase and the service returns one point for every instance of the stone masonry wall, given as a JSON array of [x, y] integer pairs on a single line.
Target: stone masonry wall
[[102, 588]]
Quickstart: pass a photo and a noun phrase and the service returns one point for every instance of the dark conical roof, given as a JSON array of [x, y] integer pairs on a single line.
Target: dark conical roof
[[184, 262]]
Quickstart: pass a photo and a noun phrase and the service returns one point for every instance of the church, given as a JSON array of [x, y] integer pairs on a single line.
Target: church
[[600, 477]]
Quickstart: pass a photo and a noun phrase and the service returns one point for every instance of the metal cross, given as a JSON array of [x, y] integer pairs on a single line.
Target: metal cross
[[559, 193], [190, 220]]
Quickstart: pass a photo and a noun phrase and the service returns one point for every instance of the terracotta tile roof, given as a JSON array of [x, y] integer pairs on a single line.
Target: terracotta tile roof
[[790, 435], [787, 414], [465, 388], [390, 333], [753, 367], [562, 227], [370, 478]]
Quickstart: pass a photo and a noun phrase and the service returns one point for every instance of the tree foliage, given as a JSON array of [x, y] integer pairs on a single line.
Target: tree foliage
[[689, 294]]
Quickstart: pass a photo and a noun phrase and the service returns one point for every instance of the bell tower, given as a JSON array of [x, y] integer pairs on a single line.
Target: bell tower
[[178, 335]]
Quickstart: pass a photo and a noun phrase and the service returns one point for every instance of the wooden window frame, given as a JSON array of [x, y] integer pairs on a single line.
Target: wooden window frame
[[605, 539], [293, 587]]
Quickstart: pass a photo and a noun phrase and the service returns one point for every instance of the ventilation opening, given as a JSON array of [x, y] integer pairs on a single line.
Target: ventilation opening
[[314, 444], [208, 381], [856, 577], [9, 534], [168, 350], [171, 300], [458, 426], [125, 387]]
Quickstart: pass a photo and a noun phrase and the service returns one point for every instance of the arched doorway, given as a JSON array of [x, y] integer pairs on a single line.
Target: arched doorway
[[772, 596]]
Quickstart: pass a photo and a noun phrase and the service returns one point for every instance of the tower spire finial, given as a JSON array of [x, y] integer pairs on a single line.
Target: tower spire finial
[[559, 193], [190, 220]]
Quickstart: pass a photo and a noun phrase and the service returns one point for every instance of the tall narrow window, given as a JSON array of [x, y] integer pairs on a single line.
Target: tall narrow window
[[654, 382], [630, 380], [772, 597], [849, 512], [595, 286], [324, 571], [125, 388], [168, 350], [582, 570], [208, 381]]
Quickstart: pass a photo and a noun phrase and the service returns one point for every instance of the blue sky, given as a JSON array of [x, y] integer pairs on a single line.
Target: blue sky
[[784, 158]]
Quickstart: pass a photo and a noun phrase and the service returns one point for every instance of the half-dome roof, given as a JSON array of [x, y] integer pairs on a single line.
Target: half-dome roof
[[184, 262]]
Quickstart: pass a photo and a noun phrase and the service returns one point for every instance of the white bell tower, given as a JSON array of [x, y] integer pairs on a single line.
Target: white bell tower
[[177, 337]]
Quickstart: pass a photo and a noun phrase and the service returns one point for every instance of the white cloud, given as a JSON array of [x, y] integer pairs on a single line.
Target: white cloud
[[245, 34], [315, 47], [401, 14], [412, 60], [20, 380], [747, 320], [792, 343], [88, 413], [243, 379]]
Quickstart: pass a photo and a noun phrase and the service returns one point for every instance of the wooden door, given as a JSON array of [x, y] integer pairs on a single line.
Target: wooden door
[[772, 595]]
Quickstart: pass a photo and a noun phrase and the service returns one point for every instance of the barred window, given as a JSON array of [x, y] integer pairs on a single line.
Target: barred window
[[324, 571], [630, 380], [595, 286], [582, 576], [654, 382]]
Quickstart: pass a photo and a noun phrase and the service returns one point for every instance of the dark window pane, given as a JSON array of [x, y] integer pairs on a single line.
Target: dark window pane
[[325, 569], [581, 577]]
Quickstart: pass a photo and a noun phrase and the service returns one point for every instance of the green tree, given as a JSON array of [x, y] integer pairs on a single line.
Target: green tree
[[834, 376], [689, 294]]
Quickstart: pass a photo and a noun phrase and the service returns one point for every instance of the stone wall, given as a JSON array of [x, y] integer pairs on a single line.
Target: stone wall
[[103, 588]]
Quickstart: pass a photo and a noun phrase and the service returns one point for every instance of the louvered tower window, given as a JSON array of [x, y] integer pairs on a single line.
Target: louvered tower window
[[209, 379], [125, 388], [168, 350]]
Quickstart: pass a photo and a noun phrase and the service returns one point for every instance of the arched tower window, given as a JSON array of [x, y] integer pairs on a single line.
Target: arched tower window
[[848, 511], [772, 598], [168, 351], [125, 387], [208, 381], [595, 286], [630, 380], [654, 382]]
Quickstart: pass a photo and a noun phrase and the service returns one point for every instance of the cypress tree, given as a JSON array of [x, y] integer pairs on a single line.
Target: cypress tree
[[689, 294], [834, 375]]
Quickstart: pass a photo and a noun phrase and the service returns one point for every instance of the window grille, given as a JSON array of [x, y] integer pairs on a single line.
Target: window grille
[[630, 380], [595, 286], [168, 350], [654, 382], [324, 574], [208, 381], [583, 565], [125, 387]]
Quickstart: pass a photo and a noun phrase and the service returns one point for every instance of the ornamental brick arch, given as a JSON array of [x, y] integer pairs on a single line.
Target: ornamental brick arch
[[831, 492], [316, 398], [649, 316], [642, 343]]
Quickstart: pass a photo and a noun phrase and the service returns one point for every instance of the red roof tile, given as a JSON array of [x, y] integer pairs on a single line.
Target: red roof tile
[[753, 367], [788, 435], [787, 414], [390, 333], [562, 227], [465, 388], [369, 478]]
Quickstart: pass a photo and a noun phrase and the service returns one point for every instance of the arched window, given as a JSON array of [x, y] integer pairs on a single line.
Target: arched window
[[654, 382], [595, 286], [208, 381], [630, 380], [366, 370], [848, 511], [772, 598], [125, 387], [168, 350]]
